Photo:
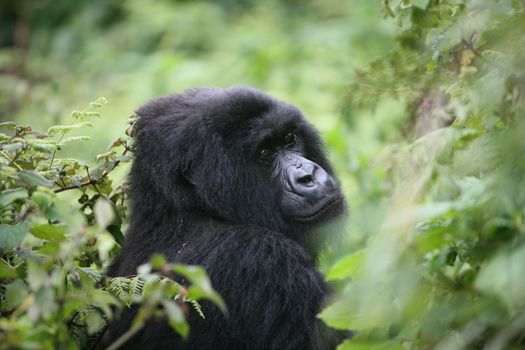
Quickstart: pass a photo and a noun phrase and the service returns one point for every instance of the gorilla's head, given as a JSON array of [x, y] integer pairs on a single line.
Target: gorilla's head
[[238, 155]]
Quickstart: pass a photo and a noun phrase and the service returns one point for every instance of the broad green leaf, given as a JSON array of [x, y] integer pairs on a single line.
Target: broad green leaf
[[12, 236], [48, 232], [9, 196], [348, 266], [34, 179], [337, 315]]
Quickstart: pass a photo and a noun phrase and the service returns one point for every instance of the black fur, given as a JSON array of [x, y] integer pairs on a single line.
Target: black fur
[[201, 194]]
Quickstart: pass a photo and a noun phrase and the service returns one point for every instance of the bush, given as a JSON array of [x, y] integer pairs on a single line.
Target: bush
[[442, 268], [52, 254]]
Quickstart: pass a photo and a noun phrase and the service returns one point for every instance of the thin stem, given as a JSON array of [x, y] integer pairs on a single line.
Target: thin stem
[[56, 149], [11, 161], [126, 336], [91, 180]]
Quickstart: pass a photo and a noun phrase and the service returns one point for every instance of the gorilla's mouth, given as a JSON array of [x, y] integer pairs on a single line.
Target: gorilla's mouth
[[332, 202]]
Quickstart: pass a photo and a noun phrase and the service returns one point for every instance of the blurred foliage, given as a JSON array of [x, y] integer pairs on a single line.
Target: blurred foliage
[[442, 267], [421, 104]]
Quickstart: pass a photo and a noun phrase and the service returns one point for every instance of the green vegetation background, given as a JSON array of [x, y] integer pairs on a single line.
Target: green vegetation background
[[434, 250]]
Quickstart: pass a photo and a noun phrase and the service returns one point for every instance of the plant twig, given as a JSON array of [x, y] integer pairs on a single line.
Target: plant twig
[[126, 336], [23, 216], [11, 161], [91, 180]]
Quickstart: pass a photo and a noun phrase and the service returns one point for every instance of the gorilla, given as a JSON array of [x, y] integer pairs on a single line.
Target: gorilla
[[235, 181]]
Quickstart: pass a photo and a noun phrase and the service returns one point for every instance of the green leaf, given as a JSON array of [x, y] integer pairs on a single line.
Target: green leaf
[[8, 125], [348, 266], [422, 4], [13, 147], [158, 261], [34, 179], [9, 196], [12, 236], [351, 344], [15, 293], [48, 232], [43, 198], [501, 276], [63, 129], [176, 318], [6, 270], [200, 284], [69, 139]]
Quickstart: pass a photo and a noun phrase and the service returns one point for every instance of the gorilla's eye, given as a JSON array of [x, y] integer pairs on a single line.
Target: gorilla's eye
[[266, 152], [289, 139]]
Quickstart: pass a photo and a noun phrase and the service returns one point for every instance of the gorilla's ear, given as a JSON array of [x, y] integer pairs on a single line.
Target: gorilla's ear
[[188, 177]]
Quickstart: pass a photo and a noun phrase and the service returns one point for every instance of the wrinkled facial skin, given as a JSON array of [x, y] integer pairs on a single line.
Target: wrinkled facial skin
[[308, 192]]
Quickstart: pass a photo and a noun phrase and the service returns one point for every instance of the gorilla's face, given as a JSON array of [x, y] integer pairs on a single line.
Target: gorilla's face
[[241, 156], [308, 193]]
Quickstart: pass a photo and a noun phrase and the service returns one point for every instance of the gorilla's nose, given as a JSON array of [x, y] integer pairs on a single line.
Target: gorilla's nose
[[308, 179]]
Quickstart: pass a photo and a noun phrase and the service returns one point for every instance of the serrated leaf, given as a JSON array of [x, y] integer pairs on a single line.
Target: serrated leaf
[[69, 139], [12, 236], [43, 147], [105, 155], [63, 129]]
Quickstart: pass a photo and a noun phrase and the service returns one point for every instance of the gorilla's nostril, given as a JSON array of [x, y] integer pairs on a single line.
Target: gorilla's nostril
[[306, 180]]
